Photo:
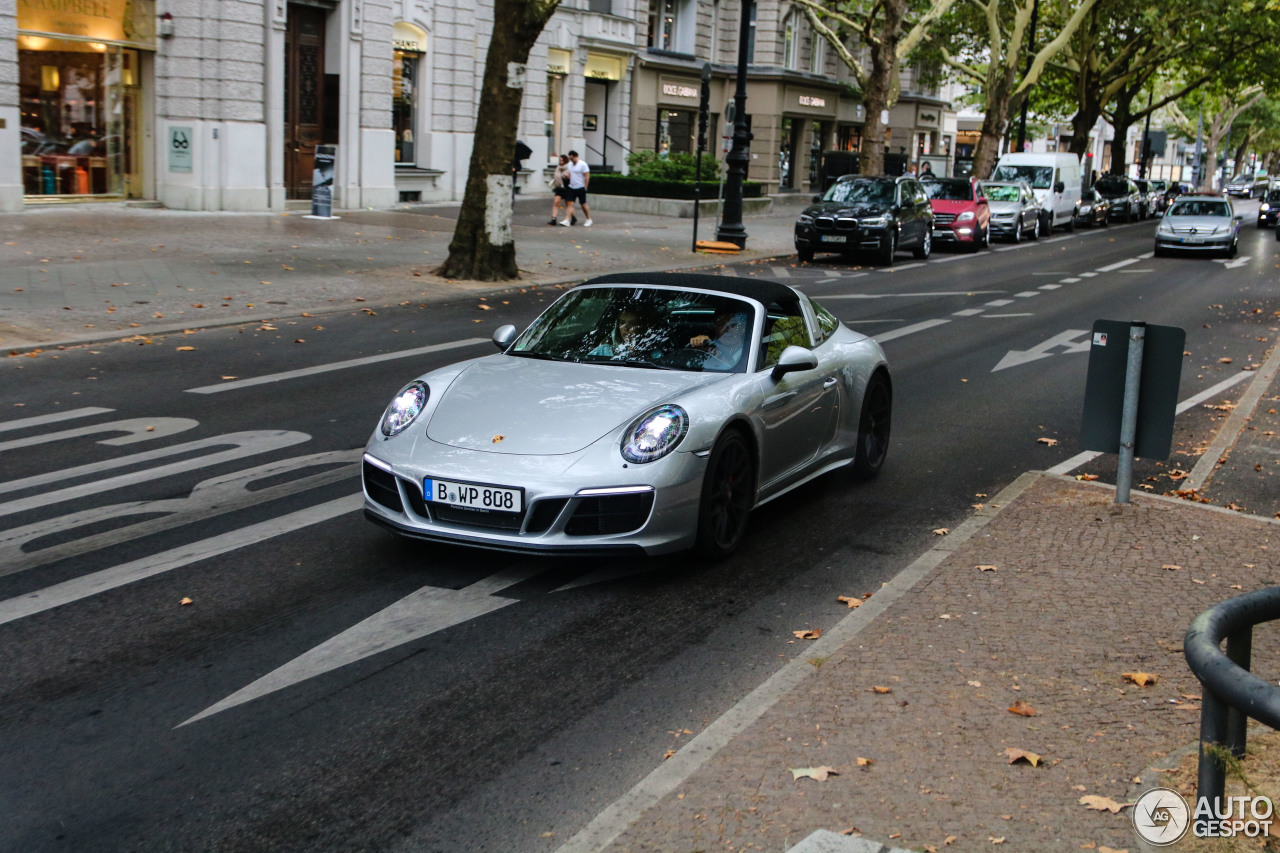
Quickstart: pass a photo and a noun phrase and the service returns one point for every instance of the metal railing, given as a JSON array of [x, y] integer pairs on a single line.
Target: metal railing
[[1232, 694]]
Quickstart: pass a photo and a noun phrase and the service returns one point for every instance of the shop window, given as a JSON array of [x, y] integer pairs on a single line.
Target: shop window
[[405, 71], [79, 117]]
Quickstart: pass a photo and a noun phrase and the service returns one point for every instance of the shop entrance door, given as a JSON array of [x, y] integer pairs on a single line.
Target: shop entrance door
[[303, 96]]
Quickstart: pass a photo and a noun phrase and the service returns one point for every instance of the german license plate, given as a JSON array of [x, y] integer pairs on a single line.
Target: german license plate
[[834, 238], [473, 495], [1193, 239]]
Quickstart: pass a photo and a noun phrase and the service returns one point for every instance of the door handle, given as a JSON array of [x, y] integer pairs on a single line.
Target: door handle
[[829, 383]]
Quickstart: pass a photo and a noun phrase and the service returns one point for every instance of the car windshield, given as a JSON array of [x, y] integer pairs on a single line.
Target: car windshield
[[861, 192], [1241, 179], [1273, 195], [1199, 207], [1039, 177], [949, 190], [643, 327], [1000, 192]]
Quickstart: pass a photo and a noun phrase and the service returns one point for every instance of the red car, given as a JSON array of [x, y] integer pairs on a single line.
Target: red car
[[961, 216]]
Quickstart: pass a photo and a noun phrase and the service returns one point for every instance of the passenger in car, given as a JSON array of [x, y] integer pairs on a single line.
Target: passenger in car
[[724, 347]]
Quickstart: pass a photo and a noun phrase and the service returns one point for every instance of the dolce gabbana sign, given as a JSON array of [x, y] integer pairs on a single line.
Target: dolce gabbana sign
[[675, 90], [811, 101]]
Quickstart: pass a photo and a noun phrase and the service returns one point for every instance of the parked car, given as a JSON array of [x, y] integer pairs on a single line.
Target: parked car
[[621, 421], [1154, 201], [1015, 212], [1127, 202], [1270, 207], [1054, 177], [881, 214], [961, 214], [1175, 189], [1094, 209], [1199, 223], [1246, 186]]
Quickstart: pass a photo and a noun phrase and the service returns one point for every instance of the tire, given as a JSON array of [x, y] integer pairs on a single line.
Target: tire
[[1017, 230], [1161, 252], [1231, 250], [1106, 220], [874, 425], [1071, 223], [728, 494], [805, 255], [1035, 232], [922, 251], [888, 248]]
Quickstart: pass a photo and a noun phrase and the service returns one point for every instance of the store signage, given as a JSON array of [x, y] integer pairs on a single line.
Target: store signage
[[676, 90], [181, 141], [558, 61], [928, 118], [322, 181], [99, 19], [812, 101]]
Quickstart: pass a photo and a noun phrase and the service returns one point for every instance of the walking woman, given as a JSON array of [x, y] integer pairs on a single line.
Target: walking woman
[[560, 189]]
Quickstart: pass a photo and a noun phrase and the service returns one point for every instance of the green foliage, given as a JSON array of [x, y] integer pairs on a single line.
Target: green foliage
[[630, 185], [650, 166]]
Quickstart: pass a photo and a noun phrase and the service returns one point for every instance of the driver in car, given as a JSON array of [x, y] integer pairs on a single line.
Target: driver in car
[[724, 348], [632, 336]]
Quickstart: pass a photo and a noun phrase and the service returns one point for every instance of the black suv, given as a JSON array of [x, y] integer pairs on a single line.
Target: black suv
[[882, 214], [1270, 207], [1127, 201]]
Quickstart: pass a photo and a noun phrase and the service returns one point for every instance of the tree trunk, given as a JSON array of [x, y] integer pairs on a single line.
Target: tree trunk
[[882, 86], [1121, 121], [483, 248]]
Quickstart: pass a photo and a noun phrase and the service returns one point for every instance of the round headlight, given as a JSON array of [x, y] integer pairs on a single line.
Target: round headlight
[[655, 434], [405, 408]]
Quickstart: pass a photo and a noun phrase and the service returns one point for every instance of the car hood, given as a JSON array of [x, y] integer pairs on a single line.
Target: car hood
[[833, 208], [1110, 194], [515, 405], [1202, 224], [1004, 206], [946, 205]]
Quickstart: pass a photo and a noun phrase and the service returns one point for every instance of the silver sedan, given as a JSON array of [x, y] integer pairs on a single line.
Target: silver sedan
[[641, 412], [1199, 223]]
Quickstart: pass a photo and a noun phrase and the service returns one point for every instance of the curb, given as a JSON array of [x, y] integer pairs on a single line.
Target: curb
[[1230, 433], [610, 823]]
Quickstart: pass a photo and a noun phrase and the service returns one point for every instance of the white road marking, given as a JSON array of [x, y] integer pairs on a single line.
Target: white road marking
[[1027, 294], [1088, 274], [1071, 280], [906, 295], [328, 368], [1235, 262], [852, 322], [138, 429], [1118, 265], [74, 590], [967, 312], [1003, 316], [909, 330], [1131, 272], [44, 420], [999, 303], [1052, 286], [425, 612], [1066, 340], [1084, 457], [901, 268], [244, 444]]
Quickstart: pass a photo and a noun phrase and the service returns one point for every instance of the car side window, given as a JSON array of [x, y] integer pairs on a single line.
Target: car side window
[[827, 324], [781, 330]]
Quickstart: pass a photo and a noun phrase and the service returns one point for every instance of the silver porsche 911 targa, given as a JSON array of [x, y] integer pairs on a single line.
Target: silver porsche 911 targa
[[642, 412]]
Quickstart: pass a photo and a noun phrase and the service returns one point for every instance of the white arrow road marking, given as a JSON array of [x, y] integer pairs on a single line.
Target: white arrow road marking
[[20, 547], [64, 593], [244, 444], [1238, 261], [909, 330], [138, 429], [426, 611], [1066, 340], [42, 420], [337, 365]]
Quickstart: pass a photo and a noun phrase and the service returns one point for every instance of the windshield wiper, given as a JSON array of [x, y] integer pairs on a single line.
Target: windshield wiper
[[627, 362], [531, 354]]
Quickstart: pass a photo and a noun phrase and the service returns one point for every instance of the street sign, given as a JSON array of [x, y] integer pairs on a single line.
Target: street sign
[[1157, 393], [181, 142]]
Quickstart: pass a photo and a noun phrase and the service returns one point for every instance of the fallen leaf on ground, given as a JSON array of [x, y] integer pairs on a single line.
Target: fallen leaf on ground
[[808, 635], [1171, 567], [866, 762], [818, 773], [1022, 709], [1087, 477], [985, 568], [185, 349], [882, 690], [184, 602], [852, 602], [1016, 755], [941, 531], [1102, 804], [995, 840], [1142, 679], [1049, 441], [1106, 849], [975, 683], [668, 754], [853, 830]]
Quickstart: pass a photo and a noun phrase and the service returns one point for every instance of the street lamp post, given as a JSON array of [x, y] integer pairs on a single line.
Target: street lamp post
[[731, 229]]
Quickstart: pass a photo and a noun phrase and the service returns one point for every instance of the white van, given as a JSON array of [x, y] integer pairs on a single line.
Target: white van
[[1055, 179]]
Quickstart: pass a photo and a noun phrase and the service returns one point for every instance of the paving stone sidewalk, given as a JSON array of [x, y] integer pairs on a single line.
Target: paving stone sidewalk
[[1077, 593]]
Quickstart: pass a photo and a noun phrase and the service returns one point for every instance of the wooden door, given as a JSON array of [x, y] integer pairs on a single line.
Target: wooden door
[[303, 96]]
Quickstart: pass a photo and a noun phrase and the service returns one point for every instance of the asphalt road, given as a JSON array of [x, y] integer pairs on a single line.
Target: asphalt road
[[288, 706]]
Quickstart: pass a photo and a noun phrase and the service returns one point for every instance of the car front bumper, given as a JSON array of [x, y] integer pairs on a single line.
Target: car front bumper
[[859, 238], [571, 504], [1205, 244]]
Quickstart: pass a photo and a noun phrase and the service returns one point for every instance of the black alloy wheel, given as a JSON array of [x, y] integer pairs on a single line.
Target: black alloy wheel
[[1018, 227], [728, 494], [805, 254], [921, 252], [888, 247], [874, 425]]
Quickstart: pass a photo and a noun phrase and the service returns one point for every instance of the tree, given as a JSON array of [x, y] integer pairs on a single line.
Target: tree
[[881, 26], [483, 247], [1219, 109], [989, 50]]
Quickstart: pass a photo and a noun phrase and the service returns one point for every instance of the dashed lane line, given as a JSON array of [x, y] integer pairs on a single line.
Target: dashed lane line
[[909, 330]]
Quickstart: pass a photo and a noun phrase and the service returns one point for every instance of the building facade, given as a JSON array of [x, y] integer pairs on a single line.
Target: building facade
[[221, 104]]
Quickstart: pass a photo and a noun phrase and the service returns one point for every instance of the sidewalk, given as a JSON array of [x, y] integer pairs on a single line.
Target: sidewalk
[[83, 273], [1047, 595]]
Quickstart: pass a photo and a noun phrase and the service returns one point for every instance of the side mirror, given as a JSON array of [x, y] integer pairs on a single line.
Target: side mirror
[[817, 198], [1239, 217], [794, 359], [982, 199], [1059, 187], [504, 336]]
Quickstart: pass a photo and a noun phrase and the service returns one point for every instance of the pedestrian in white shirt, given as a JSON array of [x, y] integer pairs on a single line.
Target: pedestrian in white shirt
[[579, 177]]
